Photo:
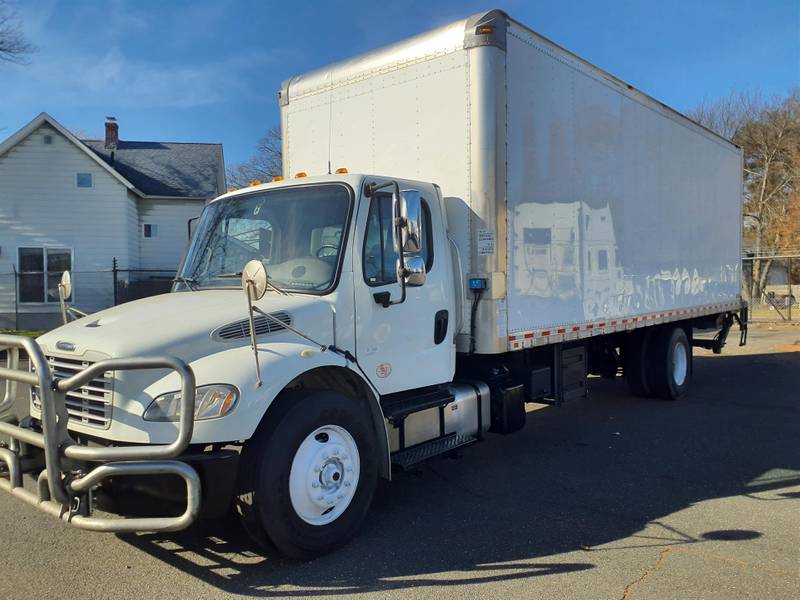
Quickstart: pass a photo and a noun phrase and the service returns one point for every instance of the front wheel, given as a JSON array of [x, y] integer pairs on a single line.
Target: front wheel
[[309, 473]]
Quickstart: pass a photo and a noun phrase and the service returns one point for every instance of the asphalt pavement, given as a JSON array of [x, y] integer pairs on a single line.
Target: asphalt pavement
[[613, 497]]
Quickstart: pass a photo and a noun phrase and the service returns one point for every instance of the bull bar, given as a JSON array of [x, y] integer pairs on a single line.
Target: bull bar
[[62, 489]]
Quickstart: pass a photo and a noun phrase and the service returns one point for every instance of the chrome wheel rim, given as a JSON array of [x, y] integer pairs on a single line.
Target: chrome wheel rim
[[324, 475]]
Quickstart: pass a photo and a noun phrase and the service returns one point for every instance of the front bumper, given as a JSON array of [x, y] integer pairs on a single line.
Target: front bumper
[[137, 495], [67, 473]]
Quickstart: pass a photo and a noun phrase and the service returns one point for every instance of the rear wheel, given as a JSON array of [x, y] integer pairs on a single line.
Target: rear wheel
[[671, 363], [309, 474]]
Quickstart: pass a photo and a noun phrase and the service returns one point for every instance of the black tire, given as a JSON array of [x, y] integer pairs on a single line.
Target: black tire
[[636, 368], [667, 346], [263, 500]]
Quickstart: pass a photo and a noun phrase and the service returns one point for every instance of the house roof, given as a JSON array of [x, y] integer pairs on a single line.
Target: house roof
[[164, 169]]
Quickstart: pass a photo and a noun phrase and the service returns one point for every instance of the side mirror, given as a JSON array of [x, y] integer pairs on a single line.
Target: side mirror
[[414, 272], [410, 212]]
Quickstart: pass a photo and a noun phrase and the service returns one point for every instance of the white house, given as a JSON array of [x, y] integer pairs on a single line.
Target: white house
[[70, 204]]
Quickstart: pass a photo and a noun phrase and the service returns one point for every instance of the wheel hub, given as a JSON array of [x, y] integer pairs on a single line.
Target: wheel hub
[[324, 475]]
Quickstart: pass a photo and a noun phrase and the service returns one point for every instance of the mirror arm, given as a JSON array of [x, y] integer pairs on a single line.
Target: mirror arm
[[63, 304], [250, 309]]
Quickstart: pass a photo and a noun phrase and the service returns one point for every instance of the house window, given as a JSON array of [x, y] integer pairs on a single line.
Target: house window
[[84, 180], [602, 260], [40, 272], [48, 139], [149, 230]]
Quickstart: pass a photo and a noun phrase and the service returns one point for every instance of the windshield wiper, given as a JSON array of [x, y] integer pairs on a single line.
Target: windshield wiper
[[239, 274], [187, 281]]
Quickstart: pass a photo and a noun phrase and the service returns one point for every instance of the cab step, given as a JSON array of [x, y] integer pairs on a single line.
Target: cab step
[[396, 407], [421, 452]]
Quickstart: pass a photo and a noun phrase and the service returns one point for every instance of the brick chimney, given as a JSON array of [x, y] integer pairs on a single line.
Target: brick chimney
[[112, 133]]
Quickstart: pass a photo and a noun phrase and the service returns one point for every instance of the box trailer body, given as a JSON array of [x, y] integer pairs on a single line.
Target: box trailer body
[[468, 221], [586, 204]]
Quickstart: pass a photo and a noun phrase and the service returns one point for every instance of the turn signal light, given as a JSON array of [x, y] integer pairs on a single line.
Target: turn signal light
[[301, 174], [341, 171], [277, 178]]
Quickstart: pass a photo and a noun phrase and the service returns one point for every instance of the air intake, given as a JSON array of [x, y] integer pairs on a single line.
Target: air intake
[[241, 329]]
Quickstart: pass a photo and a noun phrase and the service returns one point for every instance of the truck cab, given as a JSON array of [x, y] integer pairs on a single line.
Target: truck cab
[[358, 305]]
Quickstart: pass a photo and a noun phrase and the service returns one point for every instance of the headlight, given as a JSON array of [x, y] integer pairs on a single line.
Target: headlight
[[210, 402]]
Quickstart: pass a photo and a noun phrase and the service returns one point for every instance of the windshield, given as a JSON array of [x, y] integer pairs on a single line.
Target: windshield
[[296, 232]]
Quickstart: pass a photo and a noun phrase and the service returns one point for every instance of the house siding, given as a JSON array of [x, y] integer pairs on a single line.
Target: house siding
[[41, 206], [165, 250]]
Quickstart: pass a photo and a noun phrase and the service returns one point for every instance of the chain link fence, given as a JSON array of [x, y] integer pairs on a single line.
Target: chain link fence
[[29, 301], [772, 287]]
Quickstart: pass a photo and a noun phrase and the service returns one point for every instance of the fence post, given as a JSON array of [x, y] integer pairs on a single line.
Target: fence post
[[114, 271]]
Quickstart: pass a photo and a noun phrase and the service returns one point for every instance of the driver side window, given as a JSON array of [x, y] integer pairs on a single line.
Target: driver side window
[[380, 258]]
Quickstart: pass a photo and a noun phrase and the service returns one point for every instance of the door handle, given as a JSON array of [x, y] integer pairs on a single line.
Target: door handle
[[440, 326]]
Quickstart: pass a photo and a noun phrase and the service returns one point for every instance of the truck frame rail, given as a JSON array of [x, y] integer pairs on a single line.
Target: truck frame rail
[[71, 470]]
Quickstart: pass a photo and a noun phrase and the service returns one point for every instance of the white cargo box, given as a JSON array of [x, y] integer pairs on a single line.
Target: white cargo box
[[587, 205]]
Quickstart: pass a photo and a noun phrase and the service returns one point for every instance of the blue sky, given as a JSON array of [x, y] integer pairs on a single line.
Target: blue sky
[[209, 70]]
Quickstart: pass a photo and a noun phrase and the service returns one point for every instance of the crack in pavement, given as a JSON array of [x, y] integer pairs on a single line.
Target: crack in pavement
[[626, 594]]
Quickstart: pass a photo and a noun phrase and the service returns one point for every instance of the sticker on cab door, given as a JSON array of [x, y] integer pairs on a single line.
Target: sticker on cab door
[[383, 370]]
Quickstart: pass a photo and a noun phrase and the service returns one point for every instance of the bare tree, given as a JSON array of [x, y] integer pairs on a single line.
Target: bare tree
[[263, 166], [14, 47], [769, 133]]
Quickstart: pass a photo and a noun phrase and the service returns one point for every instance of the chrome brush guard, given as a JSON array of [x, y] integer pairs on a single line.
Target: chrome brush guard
[[63, 487]]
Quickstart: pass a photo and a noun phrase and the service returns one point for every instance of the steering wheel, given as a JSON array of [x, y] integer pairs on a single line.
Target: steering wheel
[[324, 246]]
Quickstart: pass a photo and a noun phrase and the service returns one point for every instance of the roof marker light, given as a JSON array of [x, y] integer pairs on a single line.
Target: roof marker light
[[255, 182], [301, 174], [232, 189], [341, 171], [277, 178], [484, 30]]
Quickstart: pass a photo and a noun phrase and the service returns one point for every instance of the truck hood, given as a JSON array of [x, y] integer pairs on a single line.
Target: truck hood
[[181, 323]]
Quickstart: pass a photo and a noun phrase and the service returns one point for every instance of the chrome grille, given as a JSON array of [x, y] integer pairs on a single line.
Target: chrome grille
[[241, 329], [90, 404]]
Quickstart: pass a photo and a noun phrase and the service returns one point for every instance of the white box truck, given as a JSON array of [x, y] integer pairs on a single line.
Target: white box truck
[[470, 220]]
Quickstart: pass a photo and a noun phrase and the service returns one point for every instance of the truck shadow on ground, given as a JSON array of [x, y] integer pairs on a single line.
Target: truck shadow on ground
[[579, 478]]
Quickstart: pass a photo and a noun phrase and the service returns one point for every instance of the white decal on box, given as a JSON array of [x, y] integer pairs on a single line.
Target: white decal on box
[[485, 242]]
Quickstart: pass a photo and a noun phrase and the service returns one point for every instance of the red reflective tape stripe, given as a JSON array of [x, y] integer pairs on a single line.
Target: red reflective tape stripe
[[561, 330], [545, 333], [528, 335]]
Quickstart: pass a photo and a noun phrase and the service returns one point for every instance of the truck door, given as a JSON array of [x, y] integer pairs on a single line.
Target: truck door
[[407, 345]]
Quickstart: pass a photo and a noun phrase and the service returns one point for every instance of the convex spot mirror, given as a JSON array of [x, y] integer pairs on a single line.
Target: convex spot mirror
[[65, 285], [254, 280], [414, 271]]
